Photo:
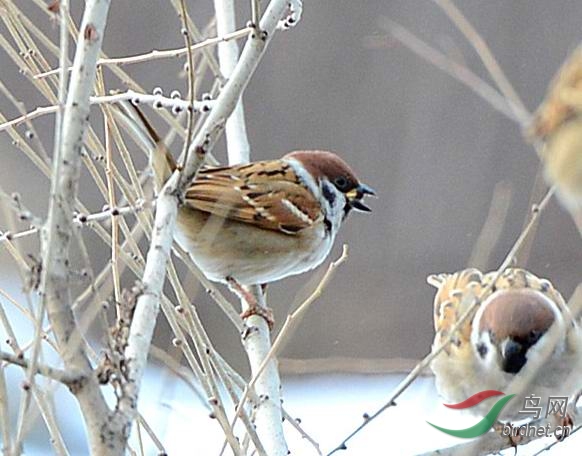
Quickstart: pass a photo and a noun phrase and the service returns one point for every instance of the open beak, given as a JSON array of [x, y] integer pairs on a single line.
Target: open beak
[[355, 196], [364, 189]]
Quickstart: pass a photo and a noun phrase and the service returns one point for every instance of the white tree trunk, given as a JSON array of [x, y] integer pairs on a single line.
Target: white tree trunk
[[58, 230]]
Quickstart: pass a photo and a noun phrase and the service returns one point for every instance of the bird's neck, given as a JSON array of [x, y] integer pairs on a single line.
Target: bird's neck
[[331, 199]]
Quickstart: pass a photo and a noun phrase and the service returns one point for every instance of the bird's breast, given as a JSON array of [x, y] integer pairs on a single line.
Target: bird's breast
[[223, 247]]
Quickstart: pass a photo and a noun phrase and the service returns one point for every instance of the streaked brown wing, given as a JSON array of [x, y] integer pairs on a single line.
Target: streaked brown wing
[[449, 304], [266, 194]]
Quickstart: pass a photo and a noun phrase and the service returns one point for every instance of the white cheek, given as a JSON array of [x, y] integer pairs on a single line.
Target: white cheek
[[485, 351], [334, 210], [491, 358], [490, 361]]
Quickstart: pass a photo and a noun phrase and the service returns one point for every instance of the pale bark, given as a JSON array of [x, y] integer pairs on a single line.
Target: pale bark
[[56, 267]]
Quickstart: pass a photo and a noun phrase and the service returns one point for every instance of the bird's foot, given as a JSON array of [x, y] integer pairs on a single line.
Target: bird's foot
[[264, 312], [241, 291], [254, 308], [515, 437], [565, 424]]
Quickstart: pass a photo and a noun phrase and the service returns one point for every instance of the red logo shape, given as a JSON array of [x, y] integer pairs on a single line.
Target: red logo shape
[[474, 399]]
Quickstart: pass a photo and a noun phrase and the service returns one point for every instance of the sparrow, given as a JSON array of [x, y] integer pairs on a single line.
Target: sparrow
[[260, 222], [557, 125], [507, 339]]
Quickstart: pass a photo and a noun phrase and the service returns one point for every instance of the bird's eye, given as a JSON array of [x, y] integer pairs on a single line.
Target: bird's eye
[[341, 182]]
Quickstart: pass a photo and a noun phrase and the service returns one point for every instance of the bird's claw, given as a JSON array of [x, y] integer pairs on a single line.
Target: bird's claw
[[264, 312], [565, 421], [254, 308], [514, 440]]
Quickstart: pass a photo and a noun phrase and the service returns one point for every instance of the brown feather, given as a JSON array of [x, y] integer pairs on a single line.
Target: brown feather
[[448, 304], [321, 163], [256, 193], [161, 159]]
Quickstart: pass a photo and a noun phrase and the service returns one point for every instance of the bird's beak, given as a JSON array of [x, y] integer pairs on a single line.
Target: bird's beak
[[355, 196], [366, 190]]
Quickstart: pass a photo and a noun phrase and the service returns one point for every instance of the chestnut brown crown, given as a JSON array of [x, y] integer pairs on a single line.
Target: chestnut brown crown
[[516, 313], [322, 163]]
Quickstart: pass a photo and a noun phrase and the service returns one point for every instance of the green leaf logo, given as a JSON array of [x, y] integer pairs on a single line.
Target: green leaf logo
[[482, 426]]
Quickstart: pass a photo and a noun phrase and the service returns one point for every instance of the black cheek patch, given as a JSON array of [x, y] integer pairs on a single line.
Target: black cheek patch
[[327, 225], [482, 349], [328, 194]]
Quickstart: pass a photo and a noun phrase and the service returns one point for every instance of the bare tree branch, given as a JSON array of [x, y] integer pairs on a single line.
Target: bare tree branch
[[236, 130], [156, 100], [66, 377], [487, 57], [56, 242], [157, 54], [452, 68]]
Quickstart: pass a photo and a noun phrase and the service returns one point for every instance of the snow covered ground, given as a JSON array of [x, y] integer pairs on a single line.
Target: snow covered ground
[[329, 406]]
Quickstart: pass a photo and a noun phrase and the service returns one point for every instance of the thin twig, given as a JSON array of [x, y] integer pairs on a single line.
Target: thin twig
[[493, 226], [62, 376], [494, 443], [139, 438], [5, 424], [112, 203], [295, 424], [155, 54], [488, 59], [190, 71], [255, 12], [159, 445], [452, 68], [158, 101], [82, 219], [48, 415], [556, 442]]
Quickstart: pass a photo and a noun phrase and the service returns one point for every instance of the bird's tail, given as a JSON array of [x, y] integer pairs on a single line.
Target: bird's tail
[[161, 160]]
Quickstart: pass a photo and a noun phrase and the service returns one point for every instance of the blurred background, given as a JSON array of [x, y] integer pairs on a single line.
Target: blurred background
[[431, 148]]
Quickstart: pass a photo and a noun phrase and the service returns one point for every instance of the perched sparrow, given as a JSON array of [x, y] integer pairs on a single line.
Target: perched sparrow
[[505, 340], [263, 221], [558, 123]]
